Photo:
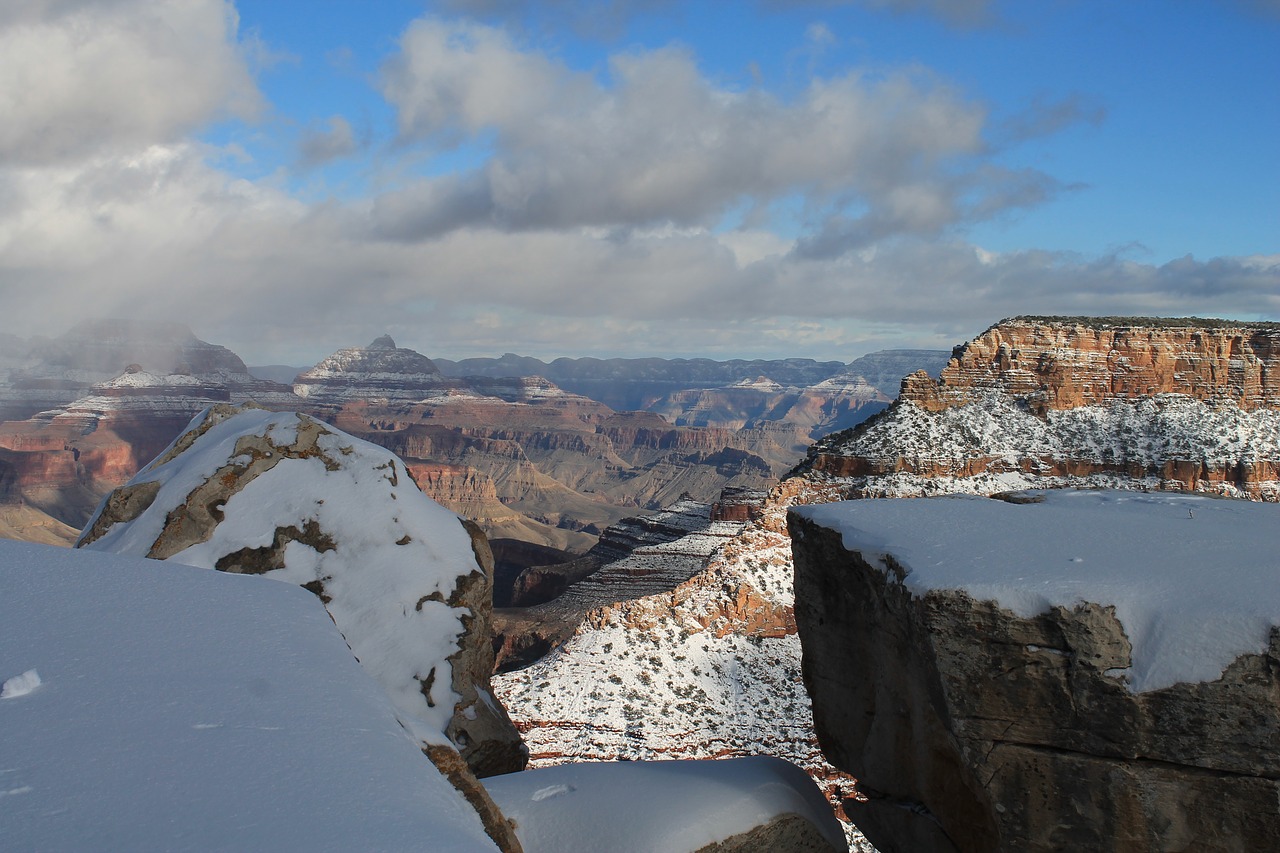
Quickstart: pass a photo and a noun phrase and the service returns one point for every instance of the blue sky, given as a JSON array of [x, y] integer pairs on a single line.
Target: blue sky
[[759, 179]]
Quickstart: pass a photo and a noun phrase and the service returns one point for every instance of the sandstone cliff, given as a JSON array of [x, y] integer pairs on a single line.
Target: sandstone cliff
[[1162, 404]]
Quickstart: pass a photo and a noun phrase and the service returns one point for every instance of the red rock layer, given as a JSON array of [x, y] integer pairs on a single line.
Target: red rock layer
[[1061, 364]]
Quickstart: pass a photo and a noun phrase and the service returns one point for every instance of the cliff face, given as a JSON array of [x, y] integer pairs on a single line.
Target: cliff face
[[1162, 404], [1056, 671], [1054, 364]]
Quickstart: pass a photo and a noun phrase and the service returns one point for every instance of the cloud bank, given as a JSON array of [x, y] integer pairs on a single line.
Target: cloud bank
[[646, 209]]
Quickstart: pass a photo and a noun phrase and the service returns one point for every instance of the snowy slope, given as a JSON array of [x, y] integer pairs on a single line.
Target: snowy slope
[[150, 707], [578, 807], [936, 452], [1193, 579], [710, 669], [383, 545], [1146, 431]]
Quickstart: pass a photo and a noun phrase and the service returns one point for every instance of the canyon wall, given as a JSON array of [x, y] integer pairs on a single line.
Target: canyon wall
[[1163, 404]]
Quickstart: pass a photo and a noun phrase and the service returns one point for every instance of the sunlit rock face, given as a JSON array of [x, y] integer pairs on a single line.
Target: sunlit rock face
[[406, 581], [1160, 404], [1064, 671]]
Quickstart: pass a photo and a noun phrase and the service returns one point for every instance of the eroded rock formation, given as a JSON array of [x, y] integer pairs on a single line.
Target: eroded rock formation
[[407, 582]]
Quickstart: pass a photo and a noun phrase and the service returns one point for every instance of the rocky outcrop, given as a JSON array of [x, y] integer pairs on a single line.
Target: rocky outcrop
[[406, 581], [991, 693], [736, 504], [1185, 405], [1065, 363]]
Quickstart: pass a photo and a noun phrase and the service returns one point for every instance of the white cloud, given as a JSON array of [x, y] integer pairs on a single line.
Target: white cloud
[[167, 235], [80, 78], [661, 143], [596, 226]]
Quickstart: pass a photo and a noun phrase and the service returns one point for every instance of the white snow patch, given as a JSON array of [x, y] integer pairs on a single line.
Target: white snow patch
[[550, 791], [655, 805], [140, 659], [1192, 593], [20, 685], [1145, 432]]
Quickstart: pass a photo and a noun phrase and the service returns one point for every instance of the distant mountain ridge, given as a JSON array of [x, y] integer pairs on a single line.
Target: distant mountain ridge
[[630, 384]]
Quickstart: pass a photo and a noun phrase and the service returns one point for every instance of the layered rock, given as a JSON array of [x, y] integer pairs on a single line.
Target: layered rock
[[809, 412], [406, 581], [66, 458], [1056, 672], [1158, 404], [380, 373], [1065, 363]]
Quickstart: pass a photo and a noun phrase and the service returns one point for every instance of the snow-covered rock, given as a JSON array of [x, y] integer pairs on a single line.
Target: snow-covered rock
[[287, 497], [1181, 405], [150, 707], [1057, 670], [740, 804], [380, 372]]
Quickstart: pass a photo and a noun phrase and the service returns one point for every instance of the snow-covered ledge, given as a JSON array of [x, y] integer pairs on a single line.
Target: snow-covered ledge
[[1080, 669]]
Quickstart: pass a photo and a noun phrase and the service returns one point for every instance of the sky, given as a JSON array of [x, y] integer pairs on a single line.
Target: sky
[[764, 179]]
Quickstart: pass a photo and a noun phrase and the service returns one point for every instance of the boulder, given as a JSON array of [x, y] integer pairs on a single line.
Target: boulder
[[407, 582], [1031, 676]]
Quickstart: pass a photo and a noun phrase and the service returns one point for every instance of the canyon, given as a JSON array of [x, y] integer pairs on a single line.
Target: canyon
[[628, 678], [652, 612], [527, 459]]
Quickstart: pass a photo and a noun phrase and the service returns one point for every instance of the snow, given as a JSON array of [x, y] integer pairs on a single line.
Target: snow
[[1146, 431], [393, 547], [144, 379], [182, 709], [676, 675], [612, 805], [1193, 579], [20, 685]]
